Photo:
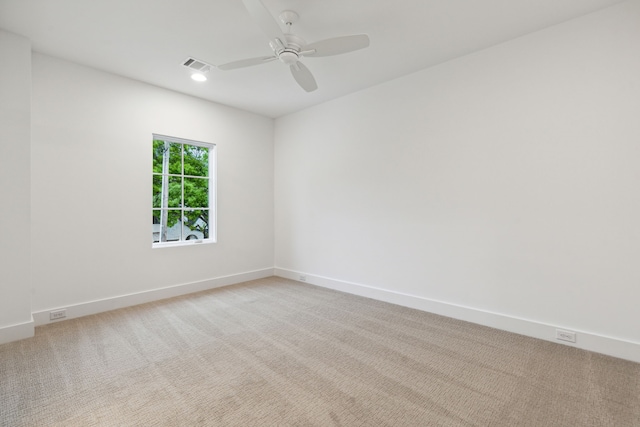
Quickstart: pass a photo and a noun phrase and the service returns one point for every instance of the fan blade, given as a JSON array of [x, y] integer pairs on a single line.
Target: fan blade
[[246, 63], [303, 76], [265, 20], [337, 45]]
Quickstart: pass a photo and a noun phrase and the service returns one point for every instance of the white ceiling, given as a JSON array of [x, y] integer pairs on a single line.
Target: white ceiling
[[148, 40]]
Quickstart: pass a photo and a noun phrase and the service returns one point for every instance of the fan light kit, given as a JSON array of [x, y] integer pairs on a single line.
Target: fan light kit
[[289, 48]]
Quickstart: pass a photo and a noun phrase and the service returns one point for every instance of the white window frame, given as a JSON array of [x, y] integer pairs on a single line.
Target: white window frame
[[213, 210]]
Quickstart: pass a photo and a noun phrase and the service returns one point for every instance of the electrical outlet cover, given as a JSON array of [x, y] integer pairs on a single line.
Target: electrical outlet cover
[[58, 314], [563, 335]]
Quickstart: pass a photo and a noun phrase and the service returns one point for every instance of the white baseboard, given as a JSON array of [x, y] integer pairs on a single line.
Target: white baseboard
[[585, 340], [107, 304], [16, 332]]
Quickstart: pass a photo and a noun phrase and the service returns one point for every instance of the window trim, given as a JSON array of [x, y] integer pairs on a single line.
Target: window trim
[[213, 192]]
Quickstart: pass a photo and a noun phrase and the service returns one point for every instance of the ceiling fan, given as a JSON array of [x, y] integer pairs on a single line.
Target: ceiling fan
[[289, 48]]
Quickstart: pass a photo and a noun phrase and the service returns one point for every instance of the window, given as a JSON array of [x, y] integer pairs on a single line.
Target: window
[[183, 191]]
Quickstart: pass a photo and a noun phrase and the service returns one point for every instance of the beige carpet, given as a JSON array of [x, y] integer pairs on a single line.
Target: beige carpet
[[274, 352]]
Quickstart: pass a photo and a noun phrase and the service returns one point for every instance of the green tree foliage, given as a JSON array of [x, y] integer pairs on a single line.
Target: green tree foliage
[[188, 184]]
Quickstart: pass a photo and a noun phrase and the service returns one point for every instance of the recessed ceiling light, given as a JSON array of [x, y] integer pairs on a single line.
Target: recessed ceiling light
[[197, 68], [199, 77]]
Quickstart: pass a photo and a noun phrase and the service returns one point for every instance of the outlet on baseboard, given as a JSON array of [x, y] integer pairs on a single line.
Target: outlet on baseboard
[[58, 314], [563, 335]]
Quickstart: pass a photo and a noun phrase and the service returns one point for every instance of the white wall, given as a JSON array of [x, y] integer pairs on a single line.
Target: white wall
[[15, 104], [91, 188], [499, 187]]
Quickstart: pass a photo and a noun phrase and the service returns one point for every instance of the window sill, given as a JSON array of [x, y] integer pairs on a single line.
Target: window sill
[[182, 243]]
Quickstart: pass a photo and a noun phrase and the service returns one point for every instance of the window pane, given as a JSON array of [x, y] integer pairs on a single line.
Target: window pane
[[172, 232], [175, 192], [174, 226], [196, 160], [156, 225], [196, 192], [196, 224], [157, 191], [158, 151], [171, 153], [175, 158]]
